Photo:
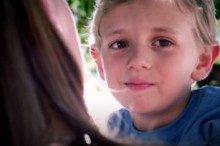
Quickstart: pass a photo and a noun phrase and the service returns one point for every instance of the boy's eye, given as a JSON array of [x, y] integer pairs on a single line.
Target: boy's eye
[[162, 43], [119, 44]]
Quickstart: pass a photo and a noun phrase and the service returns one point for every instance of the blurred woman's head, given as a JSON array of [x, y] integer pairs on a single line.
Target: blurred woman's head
[[40, 81]]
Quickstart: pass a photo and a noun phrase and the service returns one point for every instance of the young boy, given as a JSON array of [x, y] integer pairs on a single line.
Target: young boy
[[150, 52]]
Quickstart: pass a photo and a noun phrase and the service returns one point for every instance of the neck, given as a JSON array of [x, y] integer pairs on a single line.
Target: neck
[[146, 122]]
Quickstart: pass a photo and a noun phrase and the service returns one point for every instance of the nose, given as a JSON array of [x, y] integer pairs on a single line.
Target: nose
[[140, 59]]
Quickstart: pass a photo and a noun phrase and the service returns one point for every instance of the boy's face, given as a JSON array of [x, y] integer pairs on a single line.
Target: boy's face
[[148, 55]]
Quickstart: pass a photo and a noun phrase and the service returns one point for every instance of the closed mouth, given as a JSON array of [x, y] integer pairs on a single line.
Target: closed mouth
[[138, 85]]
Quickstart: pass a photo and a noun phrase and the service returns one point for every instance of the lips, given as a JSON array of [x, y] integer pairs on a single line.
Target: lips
[[138, 85]]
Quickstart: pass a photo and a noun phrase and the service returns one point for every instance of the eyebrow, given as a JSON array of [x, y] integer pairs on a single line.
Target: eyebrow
[[165, 30], [114, 32], [154, 29]]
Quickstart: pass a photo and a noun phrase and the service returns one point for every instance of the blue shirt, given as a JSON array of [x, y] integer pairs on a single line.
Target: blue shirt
[[197, 125]]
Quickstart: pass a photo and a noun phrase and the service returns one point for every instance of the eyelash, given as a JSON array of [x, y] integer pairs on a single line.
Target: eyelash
[[119, 46], [159, 43], [163, 42]]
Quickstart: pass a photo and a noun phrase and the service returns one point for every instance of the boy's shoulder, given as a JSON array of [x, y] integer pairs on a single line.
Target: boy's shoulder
[[202, 116], [119, 116], [207, 93], [206, 98], [119, 123], [212, 89]]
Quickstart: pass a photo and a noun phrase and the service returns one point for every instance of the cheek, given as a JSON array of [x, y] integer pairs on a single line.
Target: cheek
[[113, 65], [175, 71], [111, 71], [179, 65]]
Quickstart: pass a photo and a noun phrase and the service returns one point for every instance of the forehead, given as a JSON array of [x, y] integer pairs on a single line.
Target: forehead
[[146, 13]]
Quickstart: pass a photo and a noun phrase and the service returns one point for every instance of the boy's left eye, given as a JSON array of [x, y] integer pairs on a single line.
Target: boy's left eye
[[162, 43]]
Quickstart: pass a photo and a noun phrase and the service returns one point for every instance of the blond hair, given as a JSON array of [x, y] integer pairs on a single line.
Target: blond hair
[[203, 14]]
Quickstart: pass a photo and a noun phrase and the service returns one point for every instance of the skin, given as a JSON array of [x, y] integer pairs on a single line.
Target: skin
[[62, 19], [150, 59]]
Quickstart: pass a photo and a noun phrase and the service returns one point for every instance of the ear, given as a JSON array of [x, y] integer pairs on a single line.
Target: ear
[[95, 54], [206, 61]]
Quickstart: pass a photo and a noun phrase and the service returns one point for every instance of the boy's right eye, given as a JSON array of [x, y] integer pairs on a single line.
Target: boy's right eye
[[119, 44]]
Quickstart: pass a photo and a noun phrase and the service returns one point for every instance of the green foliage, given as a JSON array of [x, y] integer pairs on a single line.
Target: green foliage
[[82, 10], [218, 35], [217, 6]]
